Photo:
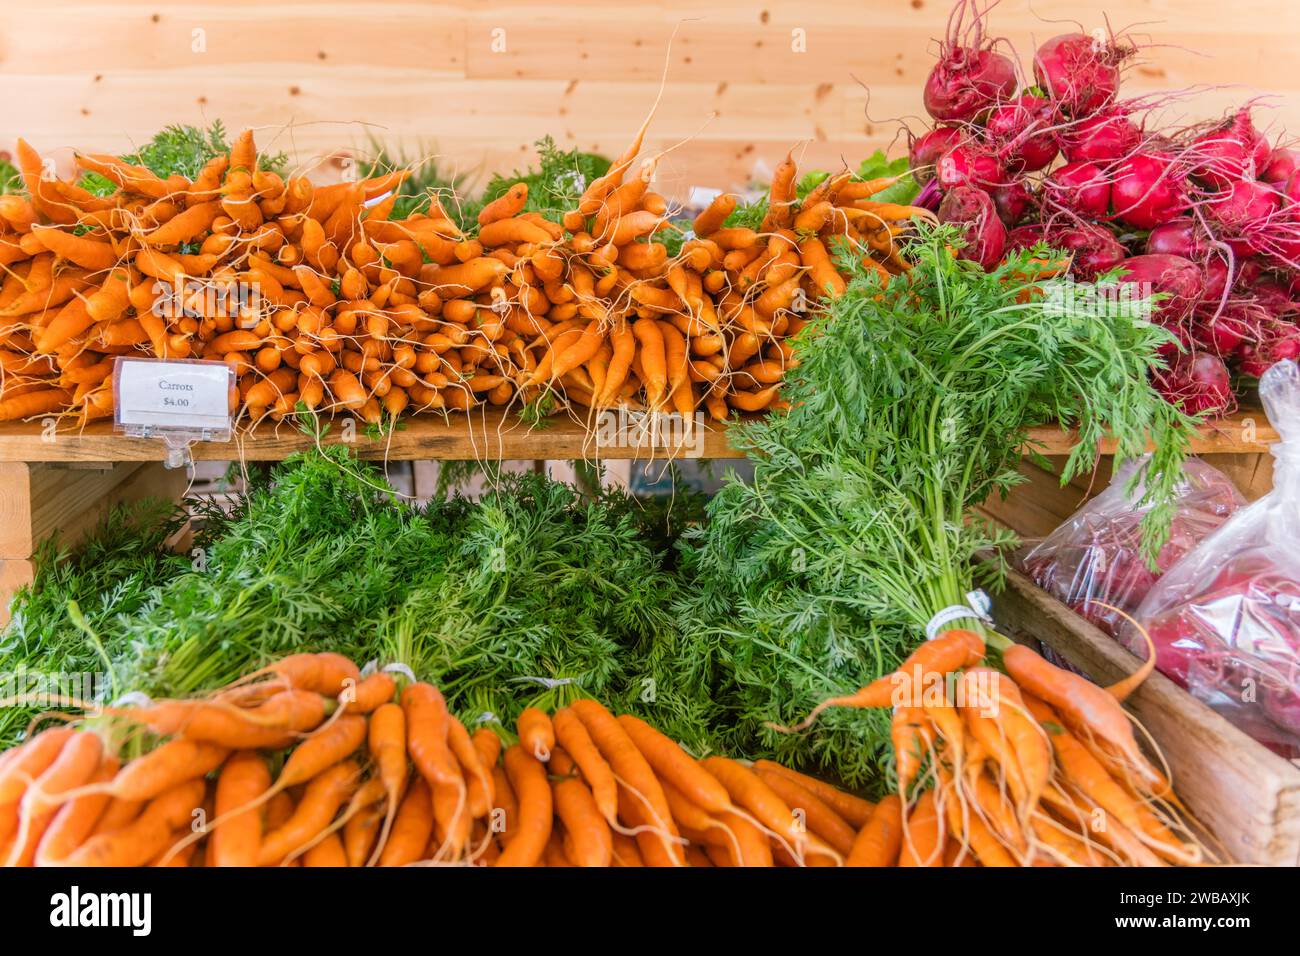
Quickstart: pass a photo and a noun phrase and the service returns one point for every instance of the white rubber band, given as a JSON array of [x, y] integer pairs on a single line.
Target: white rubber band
[[133, 699], [397, 667], [977, 607], [550, 683], [486, 717], [372, 665]]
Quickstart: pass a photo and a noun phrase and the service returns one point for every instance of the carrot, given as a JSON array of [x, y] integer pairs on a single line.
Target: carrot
[[477, 772], [75, 820], [536, 735], [854, 810], [148, 835], [324, 673], [674, 355], [878, 843], [369, 694], [426, 734], [77, 762], [653, 359], [712, 218], [93, 254], [923, 834], [527, 778], [184, 227], [237, 840], [412, 827], [360, 835], [488, 746], [1086, 709], [509, 204], [33, 403], [624, 342], [820, 818], [328, 852], [632, 771], [824, 276], [674, 765], [573, 736], [511, 231], [288, 712], [944, 654], [321, 799], [387, 745], [748, 790]]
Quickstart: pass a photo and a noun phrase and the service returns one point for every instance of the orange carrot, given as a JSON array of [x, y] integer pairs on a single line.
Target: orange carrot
[[75, 820], [944, 654], [923, 834], [237, 840], [93, 254], [426, 734], [527, 778], [572, 735], [412, 827], [536, 735], [854, 810], [78, 760], [320, 801], [672, 764], [820, 818], [878, 843], [148, 835]]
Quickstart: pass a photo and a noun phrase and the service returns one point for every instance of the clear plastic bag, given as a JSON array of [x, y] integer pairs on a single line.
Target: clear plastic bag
[[1095, 558], [1226, 620]]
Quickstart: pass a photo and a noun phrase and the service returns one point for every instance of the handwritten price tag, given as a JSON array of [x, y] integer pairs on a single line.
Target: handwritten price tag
[[161, 394]]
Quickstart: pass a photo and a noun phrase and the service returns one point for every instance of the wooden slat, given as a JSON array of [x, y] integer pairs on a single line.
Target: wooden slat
[[490, 434], [1248, 796], [71, 503], [37, 499]]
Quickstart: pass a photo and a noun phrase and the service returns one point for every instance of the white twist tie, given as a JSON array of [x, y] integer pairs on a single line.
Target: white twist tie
[[397, 667], [550, 683]]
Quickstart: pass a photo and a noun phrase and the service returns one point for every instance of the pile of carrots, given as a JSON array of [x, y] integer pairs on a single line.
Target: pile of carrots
[[309, 762], [361, 313], [1041, 768]]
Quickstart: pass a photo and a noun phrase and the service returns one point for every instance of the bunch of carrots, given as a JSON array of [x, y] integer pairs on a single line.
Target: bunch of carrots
[[358, 312], [308, 762], [1030, 765]]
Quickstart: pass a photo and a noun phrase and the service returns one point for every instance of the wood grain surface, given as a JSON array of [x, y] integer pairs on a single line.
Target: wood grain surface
[[475, 83]]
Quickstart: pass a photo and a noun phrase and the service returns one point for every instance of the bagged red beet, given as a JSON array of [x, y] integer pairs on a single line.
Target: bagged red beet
[[1225, 621], [1093, 562]]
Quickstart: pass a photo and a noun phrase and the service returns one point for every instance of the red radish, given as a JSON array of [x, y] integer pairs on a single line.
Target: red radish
[[1273, 296], [1146, 192], [1178, 237], [1011, 200], [1196, 384], [1080, 187], [1217, 276], [1227, 330], [1079, 73], [1096, 250], [1026, 237], [1245, 210], [1100, 138], [1178, 280], [928, 147], [1022, 130], [985, 236], [969, 77], [1230, 151], [1277, 341], [1282, 164], [969, 164]]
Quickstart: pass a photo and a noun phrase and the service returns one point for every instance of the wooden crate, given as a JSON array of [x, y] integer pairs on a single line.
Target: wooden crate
[[1247, 796], [1036, 508], [38, 499]]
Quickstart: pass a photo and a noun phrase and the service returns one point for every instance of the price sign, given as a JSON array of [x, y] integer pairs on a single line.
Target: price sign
[[154, 396]]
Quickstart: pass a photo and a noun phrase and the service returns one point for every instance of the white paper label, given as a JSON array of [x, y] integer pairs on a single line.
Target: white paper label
[[156, 393]]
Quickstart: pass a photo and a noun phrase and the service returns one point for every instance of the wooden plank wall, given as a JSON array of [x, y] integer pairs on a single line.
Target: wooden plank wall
[[477, 82]]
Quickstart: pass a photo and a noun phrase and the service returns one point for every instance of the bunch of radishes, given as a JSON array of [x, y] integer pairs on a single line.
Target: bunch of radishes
[[1208, 216]]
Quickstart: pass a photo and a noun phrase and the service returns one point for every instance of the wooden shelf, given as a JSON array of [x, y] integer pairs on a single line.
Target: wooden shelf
[[490, 434], [493, 434]]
